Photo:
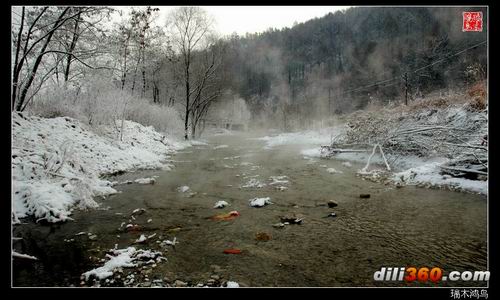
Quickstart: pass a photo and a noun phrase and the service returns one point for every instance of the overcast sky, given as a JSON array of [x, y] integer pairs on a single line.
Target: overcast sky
[[243, 19]]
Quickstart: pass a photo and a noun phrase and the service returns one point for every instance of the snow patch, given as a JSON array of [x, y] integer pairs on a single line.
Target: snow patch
[[232, 284], [145, 181], [122, 258], [253, 183], [141, 239], [333, 171], [429, 174], [259, 202], [221, 204], [183, 189], [278, 180]]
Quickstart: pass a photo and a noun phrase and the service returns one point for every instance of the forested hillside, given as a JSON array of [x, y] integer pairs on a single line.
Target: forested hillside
[[343, 61]]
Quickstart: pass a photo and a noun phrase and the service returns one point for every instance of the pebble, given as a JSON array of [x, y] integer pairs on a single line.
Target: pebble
[[216, 268], [215, 277], [179, 283], [332, 204]]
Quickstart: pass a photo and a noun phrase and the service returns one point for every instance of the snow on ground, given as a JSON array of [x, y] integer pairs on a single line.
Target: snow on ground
[[220, 147], [310, 137], [57, 163], [408, 169], [428, 174], [122, 258]]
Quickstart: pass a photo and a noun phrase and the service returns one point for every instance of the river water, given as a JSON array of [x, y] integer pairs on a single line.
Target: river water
[[395, 227]]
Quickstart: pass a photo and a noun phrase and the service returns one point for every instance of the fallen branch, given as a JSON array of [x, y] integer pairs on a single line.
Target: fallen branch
[[369, 159], [385, 160], [19, 255], [464, 170], [371, 155]]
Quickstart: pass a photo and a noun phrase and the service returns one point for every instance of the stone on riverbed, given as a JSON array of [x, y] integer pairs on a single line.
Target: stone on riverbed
[[332, 204], [179, 283], [291, 219]]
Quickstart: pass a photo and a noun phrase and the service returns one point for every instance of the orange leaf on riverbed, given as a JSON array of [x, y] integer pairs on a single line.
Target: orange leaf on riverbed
[[226, 217], [232, 251]]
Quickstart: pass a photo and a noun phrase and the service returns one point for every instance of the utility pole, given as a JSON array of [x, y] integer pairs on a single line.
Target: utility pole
[[330, 100], [405, 77]]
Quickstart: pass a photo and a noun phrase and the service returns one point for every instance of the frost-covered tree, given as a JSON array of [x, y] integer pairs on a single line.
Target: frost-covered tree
[[48, 41], [190, 29]]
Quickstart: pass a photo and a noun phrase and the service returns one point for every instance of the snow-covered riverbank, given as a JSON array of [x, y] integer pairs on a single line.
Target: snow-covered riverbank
[[57, 163], [406, 169]]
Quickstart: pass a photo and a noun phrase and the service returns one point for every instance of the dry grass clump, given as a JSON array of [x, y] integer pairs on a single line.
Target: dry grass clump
[[438, 102], [477, 102]]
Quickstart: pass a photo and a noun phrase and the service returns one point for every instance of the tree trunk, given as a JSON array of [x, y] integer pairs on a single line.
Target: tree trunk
[[186, 121], [24, 92], [72, 48], [15, 78]]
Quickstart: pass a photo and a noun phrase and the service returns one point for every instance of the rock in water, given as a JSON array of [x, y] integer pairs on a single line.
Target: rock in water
[[262, 236], [291, 219], [278, 225], [332, 204], [179, 283]]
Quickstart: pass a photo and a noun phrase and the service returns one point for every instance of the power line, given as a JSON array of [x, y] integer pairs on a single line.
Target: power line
[[414, 71], [445, 58]]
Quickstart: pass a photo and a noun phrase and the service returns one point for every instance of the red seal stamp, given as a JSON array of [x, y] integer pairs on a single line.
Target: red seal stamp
[[472, 21]]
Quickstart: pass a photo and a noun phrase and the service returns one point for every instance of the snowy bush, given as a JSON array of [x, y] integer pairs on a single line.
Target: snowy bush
[[57, 101], [163, 118], [99, 102]]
